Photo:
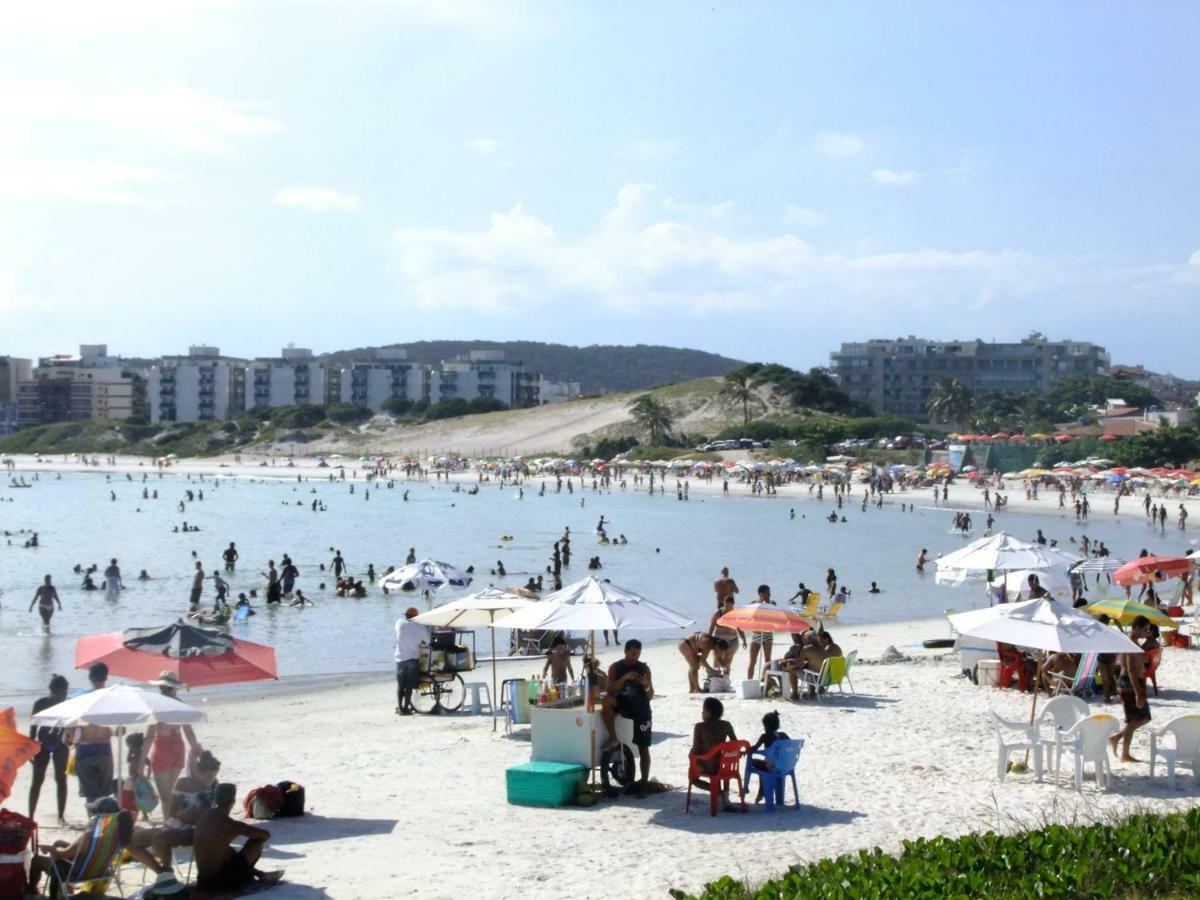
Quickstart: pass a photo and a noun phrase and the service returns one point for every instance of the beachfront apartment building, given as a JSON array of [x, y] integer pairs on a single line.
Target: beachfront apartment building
[[388, 374], [557, 391], [895, 376], [202, 386], [13, 370], [294, 378], [484, 373], [91, 386]]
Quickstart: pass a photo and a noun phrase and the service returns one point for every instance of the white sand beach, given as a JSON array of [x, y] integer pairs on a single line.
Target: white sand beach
[[416, 806]]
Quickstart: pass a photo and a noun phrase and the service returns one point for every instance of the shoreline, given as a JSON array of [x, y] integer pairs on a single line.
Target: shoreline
[[964, 496]]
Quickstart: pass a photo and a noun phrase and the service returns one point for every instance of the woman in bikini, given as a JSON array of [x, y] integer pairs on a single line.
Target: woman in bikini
[[695, 649], [166, 755], [725, 639]]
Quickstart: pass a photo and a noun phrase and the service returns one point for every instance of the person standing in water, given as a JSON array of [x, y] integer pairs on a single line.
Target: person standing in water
[[45, 597], [338, 565], [197, 586], [230, 556], [273, 592], [725, 587], [112, 578]]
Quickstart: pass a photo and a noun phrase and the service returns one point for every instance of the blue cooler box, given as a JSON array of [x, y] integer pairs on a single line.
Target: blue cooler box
[[543, 783]]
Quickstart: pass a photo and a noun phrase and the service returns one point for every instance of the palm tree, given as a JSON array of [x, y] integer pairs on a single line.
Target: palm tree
[[950, 401], [739, 388], [652, 415]]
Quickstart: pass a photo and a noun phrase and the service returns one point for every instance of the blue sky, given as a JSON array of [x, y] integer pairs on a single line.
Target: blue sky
[[761, 179]]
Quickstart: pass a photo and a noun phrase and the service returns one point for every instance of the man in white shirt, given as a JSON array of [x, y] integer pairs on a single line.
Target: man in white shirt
[[409, 637]]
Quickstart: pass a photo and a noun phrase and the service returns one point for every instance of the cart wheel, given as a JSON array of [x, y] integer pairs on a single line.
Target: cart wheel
[[453, 692], [424, 698], [616, 770]]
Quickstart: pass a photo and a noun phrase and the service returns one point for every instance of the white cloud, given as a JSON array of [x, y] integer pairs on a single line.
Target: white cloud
[[650, 251], [892, 178], [176, 115], [111, 184], [1194, 259], [798, 217], [483, 146], [839, 145], [316, 199], [648, 151]]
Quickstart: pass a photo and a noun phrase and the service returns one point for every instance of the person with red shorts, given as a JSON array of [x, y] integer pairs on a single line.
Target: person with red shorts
[[166, 756]]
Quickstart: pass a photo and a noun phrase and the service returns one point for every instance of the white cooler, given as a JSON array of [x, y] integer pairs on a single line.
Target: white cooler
[[750, 689], [987, 672]]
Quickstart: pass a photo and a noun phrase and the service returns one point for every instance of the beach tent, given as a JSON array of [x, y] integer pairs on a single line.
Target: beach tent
[[477, 611]]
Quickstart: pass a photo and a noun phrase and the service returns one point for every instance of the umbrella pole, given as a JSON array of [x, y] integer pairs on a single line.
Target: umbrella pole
[[495, 700], [587, 686]]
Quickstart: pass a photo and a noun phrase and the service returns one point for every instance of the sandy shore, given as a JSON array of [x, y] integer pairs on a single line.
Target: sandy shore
[[963, 495], [417, 807]]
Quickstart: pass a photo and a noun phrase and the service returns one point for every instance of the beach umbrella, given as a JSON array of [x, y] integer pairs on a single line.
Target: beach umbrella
[[117, 706], [477, 611], [1000, 552], [1044, 625], [1123, 611], [591, 605], [426, 576], [764, 617], [15, 750], [1147, 569], [197, 656]]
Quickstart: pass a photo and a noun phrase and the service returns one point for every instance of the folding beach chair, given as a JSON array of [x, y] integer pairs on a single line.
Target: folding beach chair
[[96, 860]]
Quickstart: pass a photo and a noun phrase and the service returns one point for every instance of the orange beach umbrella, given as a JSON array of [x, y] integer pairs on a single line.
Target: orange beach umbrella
[[763, 617]]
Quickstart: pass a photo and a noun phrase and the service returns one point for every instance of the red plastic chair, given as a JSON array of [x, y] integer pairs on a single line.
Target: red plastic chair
[[1153, 658], [1012, 662], [730, 754]]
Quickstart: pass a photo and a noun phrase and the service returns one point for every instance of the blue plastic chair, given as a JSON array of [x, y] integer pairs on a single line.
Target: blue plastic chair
[[783, 756]]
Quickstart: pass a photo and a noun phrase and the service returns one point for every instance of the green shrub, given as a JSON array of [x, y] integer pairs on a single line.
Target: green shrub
[[1142, 856]]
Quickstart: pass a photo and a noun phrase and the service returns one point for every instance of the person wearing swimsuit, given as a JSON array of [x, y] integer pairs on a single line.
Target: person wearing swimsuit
[[164, 755], [725, 638], [54, 749], [760, 640], [695, 650]]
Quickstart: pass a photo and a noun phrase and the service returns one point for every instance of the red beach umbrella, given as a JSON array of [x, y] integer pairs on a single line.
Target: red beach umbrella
[[1145, 569], [197, 656], [763, 617]]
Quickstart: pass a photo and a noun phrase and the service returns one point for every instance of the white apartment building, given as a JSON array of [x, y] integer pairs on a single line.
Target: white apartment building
[[388, 374], [484, 373], [203, 386], [92, 385], [557, 391], [294, 378]]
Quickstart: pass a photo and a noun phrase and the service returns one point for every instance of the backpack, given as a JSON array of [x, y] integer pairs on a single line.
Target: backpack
[[263, 802], [293, 799], [17, 836]]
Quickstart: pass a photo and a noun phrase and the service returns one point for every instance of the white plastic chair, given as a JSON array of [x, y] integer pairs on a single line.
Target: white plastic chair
[[1186, 730], [1008, 740], [1061, 713], [1088, 739]]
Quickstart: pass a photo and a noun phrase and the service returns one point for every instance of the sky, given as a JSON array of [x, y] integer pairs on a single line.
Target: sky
[[765, 180]]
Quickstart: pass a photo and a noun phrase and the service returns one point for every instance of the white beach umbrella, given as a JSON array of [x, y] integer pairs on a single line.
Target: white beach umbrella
[[426, 576], [1000, 552], [122, 704], [591, 605], [1043, 624], [477, 611]]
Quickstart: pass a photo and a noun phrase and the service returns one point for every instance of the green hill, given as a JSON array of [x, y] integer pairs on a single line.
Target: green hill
[[599, 368]]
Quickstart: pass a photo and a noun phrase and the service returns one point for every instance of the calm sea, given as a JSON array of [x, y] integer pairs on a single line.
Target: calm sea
[[675, 551]]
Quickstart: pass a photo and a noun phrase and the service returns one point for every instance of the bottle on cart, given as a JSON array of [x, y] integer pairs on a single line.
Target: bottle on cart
[[533, 689]]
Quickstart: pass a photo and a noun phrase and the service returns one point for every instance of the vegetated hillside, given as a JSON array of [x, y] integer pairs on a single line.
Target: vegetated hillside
[[598, 368]]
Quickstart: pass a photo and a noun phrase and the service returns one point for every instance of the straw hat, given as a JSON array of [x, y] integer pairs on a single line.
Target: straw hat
[[168, 680]]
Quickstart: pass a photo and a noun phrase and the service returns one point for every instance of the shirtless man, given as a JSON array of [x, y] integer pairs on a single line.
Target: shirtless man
[[93, 749], [218, 866], [45, 597], [1132, 687], [558, 662], [711, 730], [805, 655], [695, 649], [197, 586], [724, 587]]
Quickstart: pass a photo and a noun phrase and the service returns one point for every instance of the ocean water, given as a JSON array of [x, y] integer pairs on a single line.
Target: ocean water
[[675, 551]]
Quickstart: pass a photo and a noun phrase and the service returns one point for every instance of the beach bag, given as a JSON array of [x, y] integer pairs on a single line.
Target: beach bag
[[263, 802], [717, 684], [143, 795], [293, 800], [18, 835]]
